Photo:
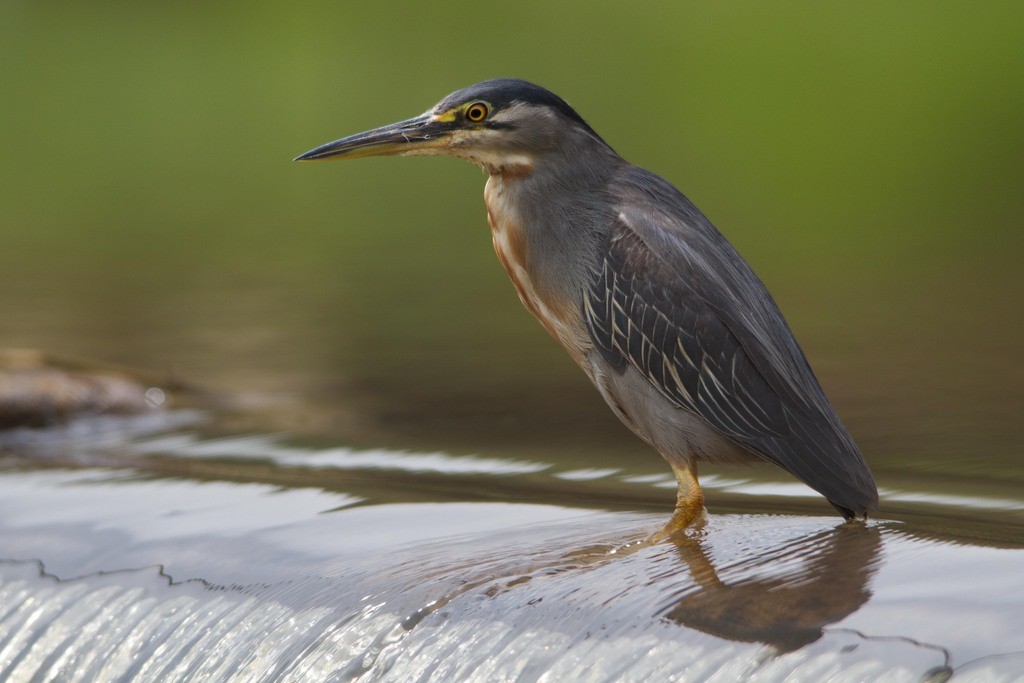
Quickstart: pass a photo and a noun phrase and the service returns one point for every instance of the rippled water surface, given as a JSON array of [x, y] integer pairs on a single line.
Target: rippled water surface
[[159, 548], [379, 467]]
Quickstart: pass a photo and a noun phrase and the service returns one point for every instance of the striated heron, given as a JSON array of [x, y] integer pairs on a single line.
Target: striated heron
[[669, 322]]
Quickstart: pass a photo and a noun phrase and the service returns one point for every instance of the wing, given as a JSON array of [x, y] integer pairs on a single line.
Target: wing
[[673, 299]]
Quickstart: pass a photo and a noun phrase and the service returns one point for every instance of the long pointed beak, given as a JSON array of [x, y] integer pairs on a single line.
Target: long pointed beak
[[420, 135]]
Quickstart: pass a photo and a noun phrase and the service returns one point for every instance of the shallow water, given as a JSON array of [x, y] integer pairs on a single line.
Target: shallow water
[[157, 547]]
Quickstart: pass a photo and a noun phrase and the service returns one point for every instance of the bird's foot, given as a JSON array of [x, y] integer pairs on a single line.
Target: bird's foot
[[685, 520]]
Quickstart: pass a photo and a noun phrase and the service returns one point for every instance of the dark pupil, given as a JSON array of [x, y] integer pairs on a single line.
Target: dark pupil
[[476, 113]]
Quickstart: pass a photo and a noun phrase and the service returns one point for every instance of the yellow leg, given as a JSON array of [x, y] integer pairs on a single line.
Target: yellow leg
[[690, 512]]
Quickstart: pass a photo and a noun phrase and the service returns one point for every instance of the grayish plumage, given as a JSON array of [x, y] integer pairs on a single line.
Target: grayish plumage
[[673, 327]]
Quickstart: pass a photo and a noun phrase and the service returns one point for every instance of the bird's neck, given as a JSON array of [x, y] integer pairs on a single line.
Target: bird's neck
[[547, 230]]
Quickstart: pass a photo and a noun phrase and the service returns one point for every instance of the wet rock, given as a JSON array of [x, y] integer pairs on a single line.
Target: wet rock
[[39, 390]]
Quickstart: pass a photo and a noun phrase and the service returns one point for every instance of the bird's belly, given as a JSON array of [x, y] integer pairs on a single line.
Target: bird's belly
[[679, 435]]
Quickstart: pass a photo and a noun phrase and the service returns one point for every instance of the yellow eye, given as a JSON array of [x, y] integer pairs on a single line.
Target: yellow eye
[[477, 112]]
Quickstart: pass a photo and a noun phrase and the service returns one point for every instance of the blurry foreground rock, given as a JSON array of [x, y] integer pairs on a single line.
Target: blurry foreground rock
[[39, 389]]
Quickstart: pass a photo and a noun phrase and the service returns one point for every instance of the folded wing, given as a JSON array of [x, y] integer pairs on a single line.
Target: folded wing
[[673, 299]]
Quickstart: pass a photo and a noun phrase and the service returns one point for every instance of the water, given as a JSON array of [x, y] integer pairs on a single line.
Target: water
[[385, 469], [153, 548]]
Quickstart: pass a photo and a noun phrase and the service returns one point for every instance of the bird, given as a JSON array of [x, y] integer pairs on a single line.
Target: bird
[[672, 326]]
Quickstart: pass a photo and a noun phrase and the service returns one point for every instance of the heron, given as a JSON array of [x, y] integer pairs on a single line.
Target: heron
[[673, 327]]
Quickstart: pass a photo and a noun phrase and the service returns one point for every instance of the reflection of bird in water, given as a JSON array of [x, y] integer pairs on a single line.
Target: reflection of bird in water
[[789, 610], [673, 327]]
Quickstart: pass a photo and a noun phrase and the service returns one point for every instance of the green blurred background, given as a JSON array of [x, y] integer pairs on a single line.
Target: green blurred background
[[866, 158]]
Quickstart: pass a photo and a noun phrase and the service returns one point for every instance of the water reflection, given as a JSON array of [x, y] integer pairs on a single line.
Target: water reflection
[[764, 599]]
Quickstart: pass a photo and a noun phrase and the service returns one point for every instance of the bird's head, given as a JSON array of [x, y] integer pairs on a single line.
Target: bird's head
[[501, 125]]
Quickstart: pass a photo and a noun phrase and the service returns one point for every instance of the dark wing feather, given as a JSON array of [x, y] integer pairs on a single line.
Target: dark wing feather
[[674, 300]]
